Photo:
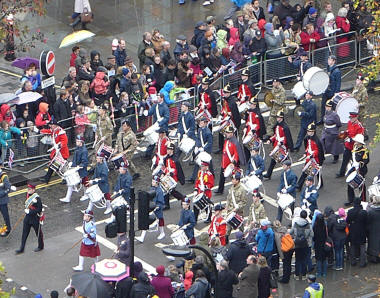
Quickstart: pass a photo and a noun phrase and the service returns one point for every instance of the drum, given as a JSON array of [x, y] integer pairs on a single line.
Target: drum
[[316, 80], [251, 183], [344, 104], [168, 184], [201, 201], [279, 154], [152, 138], [119, 159], [58, 164], [285, 200], [228, 171], [203, 156], [234, 220], [299, 90], [179, 238], [186, 144], [94, 193], [154, 128], [118, 202], [374, 190], [243, 107], [106, 150], [355, 180], [311, 168], [72, 177], [251, 140]]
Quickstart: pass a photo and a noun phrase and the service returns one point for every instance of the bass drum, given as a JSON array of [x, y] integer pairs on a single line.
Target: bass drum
[[299, 90], [344, 104], [316, 80]]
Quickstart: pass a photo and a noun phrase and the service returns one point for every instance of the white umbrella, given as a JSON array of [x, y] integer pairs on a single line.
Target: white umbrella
[[26, 97], [76, 37]]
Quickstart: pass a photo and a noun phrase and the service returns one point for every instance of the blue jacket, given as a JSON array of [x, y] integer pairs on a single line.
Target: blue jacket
[[124, 183], [163, 110], [80, 159], [187, 216], [159, 201], [206, 137], [169, 85], [4, 189], [101, 171], [316, 286], [189, 123], [312, 199], [260, 165], [309, 113], [6, 136], [265, 240], [305, 66], [179, 48], [335, 81], [291, 178], [89, 229], [125, 85], [120, 57]]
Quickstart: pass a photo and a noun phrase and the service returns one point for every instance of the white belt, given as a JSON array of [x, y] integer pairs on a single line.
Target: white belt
[[330, 126]]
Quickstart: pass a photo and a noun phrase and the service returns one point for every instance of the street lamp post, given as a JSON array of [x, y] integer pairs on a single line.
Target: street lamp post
[[184, 251], [132, 231]]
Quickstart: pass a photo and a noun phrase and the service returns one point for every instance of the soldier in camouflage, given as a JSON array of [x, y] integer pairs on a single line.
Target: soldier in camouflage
[[361, 95], [278, 92], [126, 143]]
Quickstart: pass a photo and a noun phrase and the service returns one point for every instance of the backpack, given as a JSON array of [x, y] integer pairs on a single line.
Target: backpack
[[287, 243], [340, 224], [300, 241]]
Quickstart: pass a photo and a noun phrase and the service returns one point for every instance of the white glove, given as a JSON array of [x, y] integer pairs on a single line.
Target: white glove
[[85, 236], [27, 211], [35, 129], [202, 187], [145, 113], [201, 149], [283, 190], [356, 165], [299, 113], [375, 179], [303, 202], [70, 164]]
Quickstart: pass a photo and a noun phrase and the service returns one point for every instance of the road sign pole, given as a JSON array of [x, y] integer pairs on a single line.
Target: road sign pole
[[132, 231]]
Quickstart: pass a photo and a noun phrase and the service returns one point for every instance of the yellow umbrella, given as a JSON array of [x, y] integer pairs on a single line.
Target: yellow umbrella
[[76, 37]]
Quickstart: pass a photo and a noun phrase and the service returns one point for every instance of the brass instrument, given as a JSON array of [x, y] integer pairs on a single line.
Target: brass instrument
[[268, 97]]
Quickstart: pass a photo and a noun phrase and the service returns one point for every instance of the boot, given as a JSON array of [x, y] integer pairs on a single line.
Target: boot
[[67, 199], [108, 209], [80, 264], [75, 22], [162, 233], [111, 219], [141, 237]]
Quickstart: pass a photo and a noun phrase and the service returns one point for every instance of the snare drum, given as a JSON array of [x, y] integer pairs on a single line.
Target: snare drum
[[243, 107], [311, 168], [201, 201], [179, 238], [299, 90], [58, 164], [186, 144], [106, 150], [355, 180], [251, 140], [118, 202], [168, 184], [344, 104], [152, 138], [251, 183], [234, 220], [374, 190], [72, 177], [285, 200], [203, 156], [316, 80], [279, 154], [94, 193], [119, 159]]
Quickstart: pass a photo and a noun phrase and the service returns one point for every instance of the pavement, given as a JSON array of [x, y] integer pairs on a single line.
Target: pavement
[[129, 19]]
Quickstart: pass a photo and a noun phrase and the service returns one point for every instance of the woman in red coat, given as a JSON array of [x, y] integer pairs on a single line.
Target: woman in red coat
[[343, 24], [162, 284]]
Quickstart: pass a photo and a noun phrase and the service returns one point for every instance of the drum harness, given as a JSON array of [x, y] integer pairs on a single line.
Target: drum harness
[[158, 116]]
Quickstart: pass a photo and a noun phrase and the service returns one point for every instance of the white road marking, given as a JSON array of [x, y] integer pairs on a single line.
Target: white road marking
[[23, 288]]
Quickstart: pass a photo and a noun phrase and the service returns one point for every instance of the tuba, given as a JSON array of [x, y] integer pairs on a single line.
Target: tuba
[[268, 97]]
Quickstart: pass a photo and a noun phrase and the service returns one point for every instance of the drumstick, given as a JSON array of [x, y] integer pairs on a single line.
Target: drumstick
[[137, 117], [75, 244], [16, 224]]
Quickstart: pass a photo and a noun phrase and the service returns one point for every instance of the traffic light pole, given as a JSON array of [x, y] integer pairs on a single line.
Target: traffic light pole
[[132, 230]]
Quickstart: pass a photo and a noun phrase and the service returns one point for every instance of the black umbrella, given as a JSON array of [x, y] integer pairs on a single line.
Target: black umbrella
[[91, 285]]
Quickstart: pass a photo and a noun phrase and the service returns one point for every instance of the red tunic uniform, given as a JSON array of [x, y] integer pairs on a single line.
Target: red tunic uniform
[[230, 154], [352, 130], [279, 136], [205, 102], [244, 93], [252, 122], [204, 183], [311, 151], [170, 168], [218, 226], [161, 149], [225, 109], [60, 139]]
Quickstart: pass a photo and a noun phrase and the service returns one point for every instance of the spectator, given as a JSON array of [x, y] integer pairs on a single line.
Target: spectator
[[158, 72], [237, 53], [237, 253], [329, 26], [339, 236], [320, 236], [120, 53], [248, 279], [125, 81], [6, 132], [298, 12], [201, 264], [157, 41], [357, 225], [62, 110], [43, 118], [174, 274], [145, 43], [343, 24], [180, 47], [265, 240], [189, 275], [83, 94], [241, 24], [258, 10], [100, 87], [184, 74], [234, 36], [264, 278], [85, 72], [162, 284], [200, 288], [273, 41], [148, 57], [71, 76], [171, 70], [247, 46], [309, 38], [74, 55], [165, 52], [7, 115], [251, 29], [292, 39], [283, 10], [130, 65], [32, 141], [226, 280], [373, 222], [95, 60], [165, 92], [221, 41], [143, 287], [258, 46], [199, 32], [311, 18], [78, 61]]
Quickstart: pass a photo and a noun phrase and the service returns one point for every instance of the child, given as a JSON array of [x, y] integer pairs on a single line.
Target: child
[[6, 137], [32, 140], [81, 120]]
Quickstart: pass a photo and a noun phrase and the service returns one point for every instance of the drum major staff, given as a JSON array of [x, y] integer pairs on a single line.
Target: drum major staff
[[278, 101], [204, 185], [33, 218], [288, 184], [330, 141]]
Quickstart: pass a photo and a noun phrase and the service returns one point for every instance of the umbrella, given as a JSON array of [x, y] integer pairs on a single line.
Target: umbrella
[[76, 37], [110, 270], [26, 97], [91, 285], [7, 97], [24, 62]]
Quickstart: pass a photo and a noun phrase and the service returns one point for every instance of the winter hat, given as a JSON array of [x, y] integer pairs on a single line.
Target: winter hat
[[160, 270], [268, 27], [152, 90], [341, 212], [329, 17], [125, 71], [312, 10], [138, 268]]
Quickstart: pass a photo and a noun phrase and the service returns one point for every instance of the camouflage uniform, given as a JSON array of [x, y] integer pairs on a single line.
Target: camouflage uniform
[[126, 143], [104, 129], [361, 95], [240, 195], [278, 104]]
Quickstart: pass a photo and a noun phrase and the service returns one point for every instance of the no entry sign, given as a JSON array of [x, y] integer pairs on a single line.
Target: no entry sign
[[47, 63]]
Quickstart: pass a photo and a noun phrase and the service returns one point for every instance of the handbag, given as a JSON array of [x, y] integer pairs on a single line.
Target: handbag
[[86, 16], [273, 281], [328, 246]]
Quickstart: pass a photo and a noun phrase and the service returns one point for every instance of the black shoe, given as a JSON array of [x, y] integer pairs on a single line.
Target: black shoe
[[218, 193], [136, 176], [38, 249], [319, 123], [339, 175], [191, 181], [347, 204], [166, 207], [266, 176], [19, 251], [218, 151]]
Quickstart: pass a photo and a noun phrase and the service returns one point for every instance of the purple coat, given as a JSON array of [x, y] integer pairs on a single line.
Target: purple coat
[[163, 286]]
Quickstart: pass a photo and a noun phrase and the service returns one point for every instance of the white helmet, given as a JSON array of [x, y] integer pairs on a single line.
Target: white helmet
[[359, 138]]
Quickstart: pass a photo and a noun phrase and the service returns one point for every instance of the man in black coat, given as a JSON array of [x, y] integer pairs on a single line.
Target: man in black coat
[[237, 253], [258, 46], [226, 280], [357, 223], [62, 111]]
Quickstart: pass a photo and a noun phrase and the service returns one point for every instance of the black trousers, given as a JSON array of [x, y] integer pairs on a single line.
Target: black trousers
[[196, 213], [25, 233], [4, 211], [271, 167], [175, 193], [48, 175], [351, 193], [347, 156], [221, 181], [287, 265]]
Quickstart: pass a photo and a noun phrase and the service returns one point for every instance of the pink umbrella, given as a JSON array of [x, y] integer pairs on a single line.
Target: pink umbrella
[[26, 97], [24, 62], [110, 270]]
